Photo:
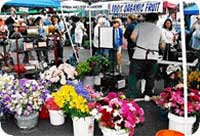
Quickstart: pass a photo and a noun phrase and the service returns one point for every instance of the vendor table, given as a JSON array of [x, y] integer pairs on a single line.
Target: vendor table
[[166, 62]]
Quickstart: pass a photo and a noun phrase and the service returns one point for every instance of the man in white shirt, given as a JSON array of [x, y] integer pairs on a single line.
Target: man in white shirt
[[148, 37]]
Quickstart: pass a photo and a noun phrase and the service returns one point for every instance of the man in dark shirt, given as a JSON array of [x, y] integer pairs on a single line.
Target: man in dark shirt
[[132, 22]]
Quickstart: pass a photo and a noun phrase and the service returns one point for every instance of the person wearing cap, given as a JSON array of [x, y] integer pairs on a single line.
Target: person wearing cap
[[118, 42], [132, 22], [16, 33], [148, 36]]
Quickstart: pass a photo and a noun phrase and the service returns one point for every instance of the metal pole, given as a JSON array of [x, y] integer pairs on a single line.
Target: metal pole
[[184, 63], [90, 28], [62, 12]]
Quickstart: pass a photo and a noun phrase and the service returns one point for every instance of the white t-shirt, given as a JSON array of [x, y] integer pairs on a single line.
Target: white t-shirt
[[79, 28], [149, 36], [169, 36]]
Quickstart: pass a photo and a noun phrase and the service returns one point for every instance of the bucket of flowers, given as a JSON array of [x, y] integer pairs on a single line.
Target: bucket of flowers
[[5, 82], [24, 98], [74, 100], [172, 100], [55, 113], [58, 76], [118, 116]]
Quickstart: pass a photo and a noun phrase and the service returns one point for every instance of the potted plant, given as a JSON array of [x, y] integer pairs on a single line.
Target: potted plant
[[117, 115], [74, 100], [91, 67], [24, 98], [83, 69], [172, 100]]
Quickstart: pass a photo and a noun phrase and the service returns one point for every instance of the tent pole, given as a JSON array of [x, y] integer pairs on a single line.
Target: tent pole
[[184, 63], [68, 32], [90, 28]]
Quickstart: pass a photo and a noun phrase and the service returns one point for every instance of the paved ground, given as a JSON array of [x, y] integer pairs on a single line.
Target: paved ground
[[152, 123]]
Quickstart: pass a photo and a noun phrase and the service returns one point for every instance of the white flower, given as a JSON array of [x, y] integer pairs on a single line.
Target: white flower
[[61, 67], [94, 112], [116, 113], [63, 81], [30, 98], [117, 127], [108, 109], [131, 107], [19, 111]]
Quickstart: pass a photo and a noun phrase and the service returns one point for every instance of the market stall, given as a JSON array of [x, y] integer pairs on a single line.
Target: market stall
[[63, 78]]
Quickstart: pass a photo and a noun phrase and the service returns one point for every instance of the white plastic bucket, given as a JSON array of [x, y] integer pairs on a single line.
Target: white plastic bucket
[[178, 123], [83, 126], [56, 117], [112, 132]]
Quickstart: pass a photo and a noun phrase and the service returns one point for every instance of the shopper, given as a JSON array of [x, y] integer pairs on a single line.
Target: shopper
[[79, 33], [60, 33], [97, 50], [132, 22], [115, 54], [169, 33], [42, 55], [147, 36]]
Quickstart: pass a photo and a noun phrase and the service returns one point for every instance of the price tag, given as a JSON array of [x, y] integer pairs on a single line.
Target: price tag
[[28, 45], [121, 84], [42, 44]]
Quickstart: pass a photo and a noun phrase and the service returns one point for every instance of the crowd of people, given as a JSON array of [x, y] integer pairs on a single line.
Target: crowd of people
[[147, 37]]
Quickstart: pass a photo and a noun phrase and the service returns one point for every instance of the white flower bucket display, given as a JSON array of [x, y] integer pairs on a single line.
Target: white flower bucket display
[[83, 126], [178, 123], [112, 132], [88, 80], [56, 117]]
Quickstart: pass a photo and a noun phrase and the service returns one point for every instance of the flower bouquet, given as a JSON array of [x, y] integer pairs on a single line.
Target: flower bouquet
[[55, 113], [117, 113], [24, 98], [75, 101], [194, 80], [58, 76], [172, 99], [5, 82]]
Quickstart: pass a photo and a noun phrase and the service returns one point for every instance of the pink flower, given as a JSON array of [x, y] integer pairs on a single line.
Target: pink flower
[[118, 113]]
